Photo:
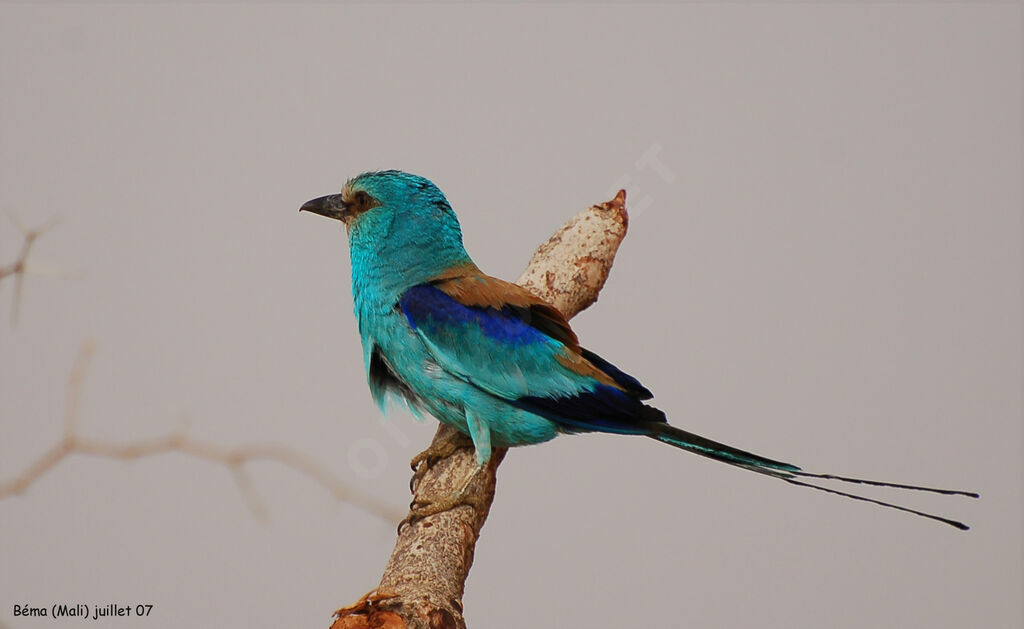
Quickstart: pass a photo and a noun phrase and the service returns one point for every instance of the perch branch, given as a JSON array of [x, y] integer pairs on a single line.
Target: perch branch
[[424, 580]]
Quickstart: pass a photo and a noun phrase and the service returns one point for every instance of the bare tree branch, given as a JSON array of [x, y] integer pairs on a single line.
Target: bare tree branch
[[20, 264], [424, 580], [235, 459]]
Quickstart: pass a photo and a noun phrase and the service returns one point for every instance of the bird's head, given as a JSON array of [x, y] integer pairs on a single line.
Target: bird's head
[[384, 193], [395, 217]]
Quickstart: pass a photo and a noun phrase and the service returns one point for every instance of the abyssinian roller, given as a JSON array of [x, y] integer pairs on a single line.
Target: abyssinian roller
[[486, 356]]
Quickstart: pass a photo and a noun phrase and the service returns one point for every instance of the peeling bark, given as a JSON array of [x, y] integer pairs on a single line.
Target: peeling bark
[[425, 577]]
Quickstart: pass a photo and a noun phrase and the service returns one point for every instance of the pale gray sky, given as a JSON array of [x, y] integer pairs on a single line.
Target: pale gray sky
[[824, 266]]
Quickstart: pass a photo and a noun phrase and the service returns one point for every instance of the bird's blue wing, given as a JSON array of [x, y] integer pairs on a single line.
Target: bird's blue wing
[[514, 346]]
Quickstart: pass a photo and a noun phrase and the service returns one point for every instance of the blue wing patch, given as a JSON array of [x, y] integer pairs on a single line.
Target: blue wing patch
[[499, 350], [427, 307]]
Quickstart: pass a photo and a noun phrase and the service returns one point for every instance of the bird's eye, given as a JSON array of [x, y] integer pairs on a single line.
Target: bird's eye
[[362, 202]]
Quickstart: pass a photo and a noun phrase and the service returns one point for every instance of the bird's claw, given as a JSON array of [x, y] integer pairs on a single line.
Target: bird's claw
[[419, 509], [439, 449]]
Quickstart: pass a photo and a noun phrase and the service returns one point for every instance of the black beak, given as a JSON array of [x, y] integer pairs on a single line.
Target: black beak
[[331, 206]]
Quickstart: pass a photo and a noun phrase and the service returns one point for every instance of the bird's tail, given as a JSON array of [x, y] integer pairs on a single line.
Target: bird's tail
[[792, 474]]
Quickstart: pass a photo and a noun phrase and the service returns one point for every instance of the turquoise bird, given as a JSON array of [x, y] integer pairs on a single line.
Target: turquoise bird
[[485, 356]]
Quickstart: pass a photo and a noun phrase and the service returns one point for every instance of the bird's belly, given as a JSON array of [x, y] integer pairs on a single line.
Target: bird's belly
[[447, 396]]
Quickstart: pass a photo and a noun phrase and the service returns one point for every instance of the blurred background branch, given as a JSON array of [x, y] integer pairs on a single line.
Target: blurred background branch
[[19, 267], [234, 459]]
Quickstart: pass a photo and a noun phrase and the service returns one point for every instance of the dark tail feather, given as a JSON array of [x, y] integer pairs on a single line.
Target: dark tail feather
[[954, 523], [789, 472], [878, 483], [679, 438]]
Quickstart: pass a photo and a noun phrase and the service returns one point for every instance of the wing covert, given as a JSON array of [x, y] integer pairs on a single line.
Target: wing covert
[[513, 345]]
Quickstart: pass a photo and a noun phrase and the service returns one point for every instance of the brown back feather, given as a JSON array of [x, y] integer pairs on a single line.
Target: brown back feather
[[470, 286]]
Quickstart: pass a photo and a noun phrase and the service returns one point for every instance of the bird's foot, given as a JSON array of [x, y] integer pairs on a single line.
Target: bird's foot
[[442, 447], [420, 508]]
